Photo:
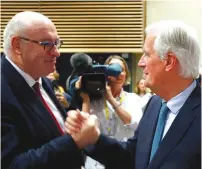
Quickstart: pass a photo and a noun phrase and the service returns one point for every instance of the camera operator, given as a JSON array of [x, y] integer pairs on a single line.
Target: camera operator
[[119, 112], [94, 77]]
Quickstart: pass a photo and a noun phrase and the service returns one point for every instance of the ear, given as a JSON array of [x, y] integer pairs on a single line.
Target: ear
[[15, 44], [171, 61]]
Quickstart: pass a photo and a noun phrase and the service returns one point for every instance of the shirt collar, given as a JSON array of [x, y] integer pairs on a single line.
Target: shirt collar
[[178, 101], [30, 81]]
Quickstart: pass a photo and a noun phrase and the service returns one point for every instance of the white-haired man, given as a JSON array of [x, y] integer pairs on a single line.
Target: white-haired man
[[32, 120], [169, 134]]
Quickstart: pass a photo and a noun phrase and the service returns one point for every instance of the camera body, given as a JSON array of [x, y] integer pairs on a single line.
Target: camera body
[[95, 77], [93, 83]]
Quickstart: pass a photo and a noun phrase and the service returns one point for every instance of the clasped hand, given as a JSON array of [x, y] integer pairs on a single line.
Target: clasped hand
[[83, 128]]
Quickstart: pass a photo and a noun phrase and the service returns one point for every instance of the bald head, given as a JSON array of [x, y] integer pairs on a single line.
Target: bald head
[[20, 23], [32, 43]]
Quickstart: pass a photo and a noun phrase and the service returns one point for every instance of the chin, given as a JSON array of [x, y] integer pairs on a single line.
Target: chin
[[146, 83], [49, 71], [52, 69]]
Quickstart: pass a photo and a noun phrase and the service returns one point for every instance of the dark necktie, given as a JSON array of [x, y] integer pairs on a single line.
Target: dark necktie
[[38, 92], [159, 129]]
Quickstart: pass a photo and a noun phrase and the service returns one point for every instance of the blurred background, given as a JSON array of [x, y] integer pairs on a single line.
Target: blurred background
[[102, 28]]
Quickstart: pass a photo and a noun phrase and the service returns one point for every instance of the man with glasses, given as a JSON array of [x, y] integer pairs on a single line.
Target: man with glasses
[[32, 120]]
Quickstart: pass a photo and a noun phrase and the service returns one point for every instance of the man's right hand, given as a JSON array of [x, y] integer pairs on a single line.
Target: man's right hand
[[78, 83], [82, 127]]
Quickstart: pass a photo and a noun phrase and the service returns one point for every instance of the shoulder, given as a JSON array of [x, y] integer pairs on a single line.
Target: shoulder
[[148, 94], [131, 95], [5, 88], [46, 80], [153, 101]]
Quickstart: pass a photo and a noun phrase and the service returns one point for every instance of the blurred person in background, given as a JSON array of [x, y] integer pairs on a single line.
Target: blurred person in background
[[62, 96], [144, 92], [118, 111]]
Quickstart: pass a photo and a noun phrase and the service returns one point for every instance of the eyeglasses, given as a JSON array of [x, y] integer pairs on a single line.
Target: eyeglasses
[[48, 45]]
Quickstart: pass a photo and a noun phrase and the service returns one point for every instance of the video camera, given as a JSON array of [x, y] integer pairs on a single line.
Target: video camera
[[94, 77]]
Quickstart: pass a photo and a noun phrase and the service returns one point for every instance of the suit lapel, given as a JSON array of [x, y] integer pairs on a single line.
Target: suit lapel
[[40, 110], [146, 132], [178, 128], [47, 87], [26, 96]]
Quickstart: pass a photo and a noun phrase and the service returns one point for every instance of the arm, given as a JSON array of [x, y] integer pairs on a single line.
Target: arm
[[110, 152], [132, 105], [86, 102], [18, 151], [123, 114], [113, 153], [74, 92]]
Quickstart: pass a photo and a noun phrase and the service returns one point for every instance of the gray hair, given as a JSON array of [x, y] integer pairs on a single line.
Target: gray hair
[[180, 39], [18, 25]]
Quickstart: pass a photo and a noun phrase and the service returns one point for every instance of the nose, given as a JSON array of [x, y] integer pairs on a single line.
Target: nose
[[141, 62], [54, 52]]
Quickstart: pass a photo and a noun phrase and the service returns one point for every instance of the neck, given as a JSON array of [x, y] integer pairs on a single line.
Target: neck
[[142, 93], [116, 90], [173, 89], [17, 61]]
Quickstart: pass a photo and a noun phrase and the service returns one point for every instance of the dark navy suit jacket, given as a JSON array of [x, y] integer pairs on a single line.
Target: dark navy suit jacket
[[179, 149], [30, 138]]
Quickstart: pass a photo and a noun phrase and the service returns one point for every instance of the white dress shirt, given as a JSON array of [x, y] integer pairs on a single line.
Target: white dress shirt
[[175, 105]]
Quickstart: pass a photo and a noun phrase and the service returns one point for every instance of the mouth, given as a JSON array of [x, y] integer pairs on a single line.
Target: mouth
[[119, 80], [145, 75], [51, 61]]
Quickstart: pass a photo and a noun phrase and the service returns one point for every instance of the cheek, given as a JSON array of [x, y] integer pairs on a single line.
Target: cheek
[[111, 78], [155, 76], [35, 61], [122, 75]]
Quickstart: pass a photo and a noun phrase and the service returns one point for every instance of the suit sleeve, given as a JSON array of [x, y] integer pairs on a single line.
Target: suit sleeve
[[56, 153], [113, 153]]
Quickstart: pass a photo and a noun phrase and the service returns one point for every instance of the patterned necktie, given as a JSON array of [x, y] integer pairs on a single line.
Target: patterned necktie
[[36, 87], [159, 129]]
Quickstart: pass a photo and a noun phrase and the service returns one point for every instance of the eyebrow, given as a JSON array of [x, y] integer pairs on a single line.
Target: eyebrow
[[49, 40], [143, 49]]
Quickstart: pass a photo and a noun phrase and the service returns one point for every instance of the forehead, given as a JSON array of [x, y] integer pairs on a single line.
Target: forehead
[[149, 43], [42, 30], [142, 81], [116, 61]]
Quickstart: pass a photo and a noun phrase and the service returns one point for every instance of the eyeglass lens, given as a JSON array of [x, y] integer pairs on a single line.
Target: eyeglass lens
[[49, 45]]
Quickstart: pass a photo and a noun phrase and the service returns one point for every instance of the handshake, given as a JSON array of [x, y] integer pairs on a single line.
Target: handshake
[[83, 128]]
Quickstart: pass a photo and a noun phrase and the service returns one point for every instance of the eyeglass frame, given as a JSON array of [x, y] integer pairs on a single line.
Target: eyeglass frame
[[45, 43]]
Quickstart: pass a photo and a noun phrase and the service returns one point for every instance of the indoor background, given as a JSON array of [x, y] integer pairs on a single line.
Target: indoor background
[[101, 28]]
